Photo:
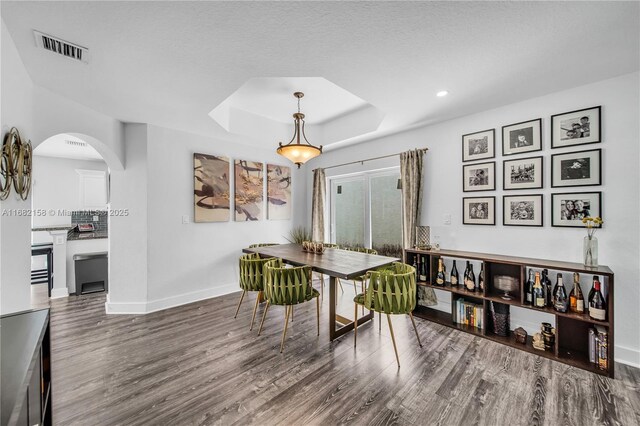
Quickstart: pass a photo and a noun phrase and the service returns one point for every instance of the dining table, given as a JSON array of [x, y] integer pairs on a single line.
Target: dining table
[[335, 263]]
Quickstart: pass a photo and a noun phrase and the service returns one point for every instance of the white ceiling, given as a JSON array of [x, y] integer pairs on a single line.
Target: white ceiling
[[273, 98], [171, 63], [67, 146]]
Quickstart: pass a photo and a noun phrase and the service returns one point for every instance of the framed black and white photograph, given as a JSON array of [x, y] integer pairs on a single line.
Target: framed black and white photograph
[[479, 210], [479, 145], [523, 173], [582, 168], [522, 137], [479, 177], [575, 128], [567, 210], [522, 210]]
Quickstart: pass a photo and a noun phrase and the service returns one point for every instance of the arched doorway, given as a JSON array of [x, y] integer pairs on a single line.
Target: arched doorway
[[70, 221]]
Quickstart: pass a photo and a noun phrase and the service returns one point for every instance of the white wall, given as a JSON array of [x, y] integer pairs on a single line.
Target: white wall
[[619, 240], [56, 185], [39, 114], [128, 230], [185, 262], [16, 110]]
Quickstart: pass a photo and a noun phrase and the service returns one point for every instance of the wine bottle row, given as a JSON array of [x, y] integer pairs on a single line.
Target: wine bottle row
[[538, 293]]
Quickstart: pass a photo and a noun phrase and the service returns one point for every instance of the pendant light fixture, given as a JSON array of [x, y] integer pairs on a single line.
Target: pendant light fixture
[[299, 152]]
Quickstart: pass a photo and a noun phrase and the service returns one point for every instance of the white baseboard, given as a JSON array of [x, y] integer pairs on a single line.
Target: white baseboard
[[627, 356], [136, 308], [183, 299], [57, 293], [139, 308]]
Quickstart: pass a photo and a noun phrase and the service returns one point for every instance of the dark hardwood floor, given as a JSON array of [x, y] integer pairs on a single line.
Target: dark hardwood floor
[[195, 364]]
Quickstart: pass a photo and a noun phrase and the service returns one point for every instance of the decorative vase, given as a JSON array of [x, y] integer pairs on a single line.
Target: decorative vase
[[590, 251]]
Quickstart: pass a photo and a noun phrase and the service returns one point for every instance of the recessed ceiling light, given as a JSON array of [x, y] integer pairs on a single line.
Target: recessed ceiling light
[[442, 93]]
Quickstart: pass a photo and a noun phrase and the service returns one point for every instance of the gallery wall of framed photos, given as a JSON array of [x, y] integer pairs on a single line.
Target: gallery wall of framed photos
[[571, 166]]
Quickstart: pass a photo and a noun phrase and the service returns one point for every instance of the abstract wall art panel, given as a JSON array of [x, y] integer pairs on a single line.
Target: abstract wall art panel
[[278, 192], [249, 177], [211, 188]]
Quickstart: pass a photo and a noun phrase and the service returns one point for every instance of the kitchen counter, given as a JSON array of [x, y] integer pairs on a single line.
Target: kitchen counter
[[76, 236], [54, 228]]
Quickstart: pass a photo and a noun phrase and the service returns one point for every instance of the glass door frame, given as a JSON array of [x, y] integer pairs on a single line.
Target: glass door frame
[[365, 176]]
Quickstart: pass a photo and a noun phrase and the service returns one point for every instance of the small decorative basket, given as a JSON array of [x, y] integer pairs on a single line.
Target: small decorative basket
[[500, 317], [423, 237]]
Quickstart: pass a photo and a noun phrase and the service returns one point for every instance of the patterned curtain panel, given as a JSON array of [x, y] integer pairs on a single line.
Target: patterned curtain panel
[[411, 164], [317, 206]]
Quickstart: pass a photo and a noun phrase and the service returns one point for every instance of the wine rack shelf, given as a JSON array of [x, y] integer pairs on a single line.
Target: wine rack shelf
[[572, 341]]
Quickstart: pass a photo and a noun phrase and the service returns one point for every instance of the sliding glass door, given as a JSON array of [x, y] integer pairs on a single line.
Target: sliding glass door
[[366, 211], [348, 211]]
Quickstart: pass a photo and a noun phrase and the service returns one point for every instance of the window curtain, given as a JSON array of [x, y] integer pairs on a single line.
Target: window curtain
[[317, 206], [411, 166]]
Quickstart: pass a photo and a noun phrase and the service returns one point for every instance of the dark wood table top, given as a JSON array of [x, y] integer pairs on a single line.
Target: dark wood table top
[[333, 262]]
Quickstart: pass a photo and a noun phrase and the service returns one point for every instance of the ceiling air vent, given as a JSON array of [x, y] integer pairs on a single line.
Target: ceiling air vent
[[61, 47], [76, 143]]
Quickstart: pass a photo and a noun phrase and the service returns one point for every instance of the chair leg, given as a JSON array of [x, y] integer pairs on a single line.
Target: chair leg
[[286, 322], [379, 321], [264, 315], [318, 314], [255, 308], [415, 328], [291, 313], [239, 303], [355, 324], [340, 284], [393, 339], [322, 286]]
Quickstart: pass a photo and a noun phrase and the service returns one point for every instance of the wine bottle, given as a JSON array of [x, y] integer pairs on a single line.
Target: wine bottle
[[466, 275], [415, 266], [546, 286], [528, 289], [593, 289], [425, 271], [576, 299], [538, 293], [440, 277], [560, 296], [454, 278], [597, 305], [421, 268], [481, 279], [471, 279]]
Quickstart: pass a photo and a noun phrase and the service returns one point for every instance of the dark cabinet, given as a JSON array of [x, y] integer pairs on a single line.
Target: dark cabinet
[[25, 369]]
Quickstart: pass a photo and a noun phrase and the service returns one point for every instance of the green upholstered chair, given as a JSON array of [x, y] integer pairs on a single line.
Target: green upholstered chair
[[362, 279], [251, 279], [288, 287], [263, 245], [391, 291]]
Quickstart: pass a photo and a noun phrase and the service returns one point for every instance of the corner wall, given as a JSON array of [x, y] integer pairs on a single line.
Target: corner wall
[[619, 240], [39, 114], [184, 262], [16, 110]]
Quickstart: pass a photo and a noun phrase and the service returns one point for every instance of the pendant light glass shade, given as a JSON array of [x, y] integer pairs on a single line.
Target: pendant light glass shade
[[299, 152]]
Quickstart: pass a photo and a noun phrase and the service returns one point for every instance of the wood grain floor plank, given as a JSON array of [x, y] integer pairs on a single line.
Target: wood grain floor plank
[[196, 365]]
